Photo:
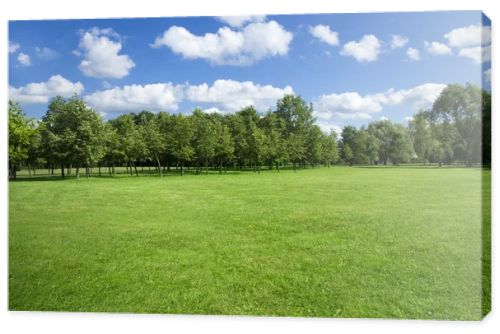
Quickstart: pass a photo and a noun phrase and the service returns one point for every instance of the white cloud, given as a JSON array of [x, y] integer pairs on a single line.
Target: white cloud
[[352, 105], [101, 49], [324, 34], [398, 41], [153, 97], [366, 50], [223, 96], [466, 37], [13, 47], [413, 54], [327, 126], [230, 96], [24, 59], [487, 75], [254, 42], [41, 92], [212, 110], [239, 21], [437, 49], [46, 53], [478, 54]]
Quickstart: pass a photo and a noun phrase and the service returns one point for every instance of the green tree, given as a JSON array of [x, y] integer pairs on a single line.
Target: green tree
[[224, 145], [182, 134], [461, 107], [204, 138], [131, 140], [421, 135], [21, 132], [153, 139], [330, 152]]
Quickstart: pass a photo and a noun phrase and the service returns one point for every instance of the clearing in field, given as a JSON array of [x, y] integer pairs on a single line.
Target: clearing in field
[[343, 242]]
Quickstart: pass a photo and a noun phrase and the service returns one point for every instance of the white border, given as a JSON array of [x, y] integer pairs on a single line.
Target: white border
[[40, 322]]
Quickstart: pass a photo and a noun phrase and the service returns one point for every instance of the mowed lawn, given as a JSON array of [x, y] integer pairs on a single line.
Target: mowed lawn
[[330, 242]]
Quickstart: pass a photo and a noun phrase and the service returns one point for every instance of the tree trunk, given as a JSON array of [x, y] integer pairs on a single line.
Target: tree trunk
[[206, 165], [182, 168], [294, 170], [130, 168], [29, 170], [135, 168], [99, 166], [62, 171], [78, 171], [277, 166], [159, 165]]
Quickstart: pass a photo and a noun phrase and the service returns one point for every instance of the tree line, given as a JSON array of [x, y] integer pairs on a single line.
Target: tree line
[[75, 138]]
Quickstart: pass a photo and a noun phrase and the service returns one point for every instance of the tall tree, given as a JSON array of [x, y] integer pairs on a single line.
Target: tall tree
[[421, 135], [204, 138], [21, 131], [182, 134], [153, 139], [131, 140]]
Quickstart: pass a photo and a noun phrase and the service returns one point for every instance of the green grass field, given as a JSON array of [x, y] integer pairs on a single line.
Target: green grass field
[[330, 242]]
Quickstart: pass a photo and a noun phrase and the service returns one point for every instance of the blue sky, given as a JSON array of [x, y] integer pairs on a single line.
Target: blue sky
[[354, 68]]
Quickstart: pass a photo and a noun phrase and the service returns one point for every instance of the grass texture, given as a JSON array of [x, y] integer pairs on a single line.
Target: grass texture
[[331, 242]]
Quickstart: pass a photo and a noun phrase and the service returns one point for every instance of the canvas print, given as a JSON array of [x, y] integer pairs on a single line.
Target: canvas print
[[306, 165]]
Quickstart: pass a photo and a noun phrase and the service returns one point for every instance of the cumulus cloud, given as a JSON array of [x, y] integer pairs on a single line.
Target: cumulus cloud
[[230, 96], [472, 35], [41, 92], [398, 41], [352, 105], [24, 59], [324, 34], [241, 20], [101, 48], [413, 54], [223, 96], [437, 49], [366, 50], [473, 42], [254, 42], [13, 47], [153, 97], [477, 54], [45, 53]]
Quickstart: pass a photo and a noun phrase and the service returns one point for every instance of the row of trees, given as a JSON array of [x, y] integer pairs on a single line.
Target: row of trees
[[71, 136]]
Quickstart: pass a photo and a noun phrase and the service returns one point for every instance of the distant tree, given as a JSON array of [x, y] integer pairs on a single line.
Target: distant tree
[[131, 141], [346, 153], [314, 145], [204, 138], [381, 130], [400, 145], [153, 139], [461, 107], [296, 148], [421, 135], [182, 134], [298, 118], [330, 153], [277, 149], [74, 133], [21, 132], [224, 145]]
